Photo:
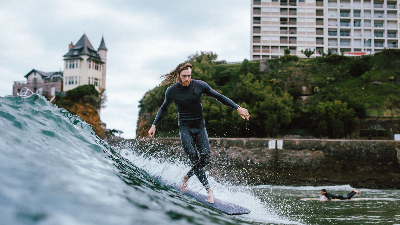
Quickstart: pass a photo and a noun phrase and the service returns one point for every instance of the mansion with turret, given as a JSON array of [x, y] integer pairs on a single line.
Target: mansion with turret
[[82, 65]]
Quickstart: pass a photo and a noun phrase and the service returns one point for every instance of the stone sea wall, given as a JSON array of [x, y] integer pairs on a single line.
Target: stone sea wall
[[315, 162]]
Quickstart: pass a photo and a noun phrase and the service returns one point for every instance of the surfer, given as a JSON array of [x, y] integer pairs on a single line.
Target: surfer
[[332, 196], [187, 96]]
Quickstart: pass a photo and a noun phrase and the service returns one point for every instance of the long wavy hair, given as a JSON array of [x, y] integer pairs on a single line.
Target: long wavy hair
[[173, 76]]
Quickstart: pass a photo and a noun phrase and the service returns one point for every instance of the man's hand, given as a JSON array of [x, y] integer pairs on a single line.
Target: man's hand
[[243, 113], [152, 131]]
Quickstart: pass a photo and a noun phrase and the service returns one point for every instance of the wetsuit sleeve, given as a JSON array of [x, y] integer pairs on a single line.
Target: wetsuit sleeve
[[328, 196], [164, 108], [211, 92]]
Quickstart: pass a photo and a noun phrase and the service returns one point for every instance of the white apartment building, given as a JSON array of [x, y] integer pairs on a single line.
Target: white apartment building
[[338, 25]]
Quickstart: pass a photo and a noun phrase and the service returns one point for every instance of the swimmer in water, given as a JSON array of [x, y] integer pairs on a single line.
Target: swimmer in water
[[329, 196]]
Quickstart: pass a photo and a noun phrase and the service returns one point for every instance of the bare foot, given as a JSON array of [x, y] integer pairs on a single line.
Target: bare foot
[[184, 187], [356, 191], [210, 198]]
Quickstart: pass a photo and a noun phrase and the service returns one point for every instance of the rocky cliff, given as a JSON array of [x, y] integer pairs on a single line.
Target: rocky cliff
[[88, 113]]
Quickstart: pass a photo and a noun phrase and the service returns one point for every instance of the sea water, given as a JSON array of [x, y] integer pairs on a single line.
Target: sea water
[[55, 170]]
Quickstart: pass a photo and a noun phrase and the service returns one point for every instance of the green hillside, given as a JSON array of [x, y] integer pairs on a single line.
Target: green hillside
[[338, 91]]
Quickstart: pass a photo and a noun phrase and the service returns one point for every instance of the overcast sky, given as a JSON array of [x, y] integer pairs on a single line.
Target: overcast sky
[[145, 39]]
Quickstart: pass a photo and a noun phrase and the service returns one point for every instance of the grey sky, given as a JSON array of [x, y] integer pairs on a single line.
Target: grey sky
[[144, 40]]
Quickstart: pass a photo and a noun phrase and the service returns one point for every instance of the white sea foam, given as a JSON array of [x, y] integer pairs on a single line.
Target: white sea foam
[[240, 195]]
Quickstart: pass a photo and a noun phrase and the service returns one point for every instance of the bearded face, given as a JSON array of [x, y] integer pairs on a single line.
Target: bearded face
[[185, 77]]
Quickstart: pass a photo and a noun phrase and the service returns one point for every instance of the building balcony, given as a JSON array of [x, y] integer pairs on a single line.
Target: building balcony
[[293, 13], [319, 42], [256, 2], [391, 35], [378, 5], [367, 45], [344, 14], [344, 5], [318, 3], [391, 6], [332, 4], [392, 46], [344, 44], [378, 45], [332, 44], [344, 34], [257, 11], [345, 24]]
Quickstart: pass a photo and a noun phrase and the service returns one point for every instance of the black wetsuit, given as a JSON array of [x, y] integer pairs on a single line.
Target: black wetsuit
[[332, 196], [191, 123]]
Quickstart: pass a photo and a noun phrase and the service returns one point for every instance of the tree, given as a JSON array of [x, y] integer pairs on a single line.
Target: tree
[[307, 52], [286, 51], [332, 119]]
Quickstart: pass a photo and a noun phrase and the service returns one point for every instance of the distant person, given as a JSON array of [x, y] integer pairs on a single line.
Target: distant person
[[187, 96], [330, 196]]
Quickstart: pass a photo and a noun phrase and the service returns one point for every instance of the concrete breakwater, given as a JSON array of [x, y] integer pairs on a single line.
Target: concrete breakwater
[[312, 162]]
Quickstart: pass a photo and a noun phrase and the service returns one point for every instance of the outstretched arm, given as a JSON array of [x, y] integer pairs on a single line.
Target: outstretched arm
[[244, 113]]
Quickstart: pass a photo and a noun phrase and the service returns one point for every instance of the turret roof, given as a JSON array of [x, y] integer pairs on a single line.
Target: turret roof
[[82, 47], [102, 44]]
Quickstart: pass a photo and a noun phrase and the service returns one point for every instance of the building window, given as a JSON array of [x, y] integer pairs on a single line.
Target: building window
[[66, 80], [96, 66], [274, 0], [265, 19], [75, 52], [71, 80], [265, 38], [76, 79], [76, 63], [301, 0], [265, 9], [90, 64], [265, 29], [88, 80], [96, 82]]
